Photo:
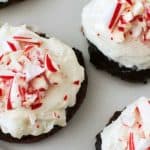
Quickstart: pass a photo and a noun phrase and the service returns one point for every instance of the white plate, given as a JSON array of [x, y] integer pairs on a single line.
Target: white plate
[[106, 94]]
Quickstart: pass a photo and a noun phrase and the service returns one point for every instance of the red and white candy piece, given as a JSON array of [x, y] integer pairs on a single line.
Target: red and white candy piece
[[31, 71], [12, 46], [1, 92], [28, 48], [9, 46], [28, 40], [129, 1], [39, 83], [131, 141], [76, 82], [50, 65], [115, 15], [6, 77], [9, 102], [22, 38], [15, 95], [36, 106]]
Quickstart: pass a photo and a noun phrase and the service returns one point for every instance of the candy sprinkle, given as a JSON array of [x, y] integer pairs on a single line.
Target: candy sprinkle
[[49, 64], [115, 15], [12, 46], [131, 142]]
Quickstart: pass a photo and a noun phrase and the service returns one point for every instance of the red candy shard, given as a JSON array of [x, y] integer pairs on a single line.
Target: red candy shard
[[9, 104], [121, 29], [77, 82], [131, 142], [115, 15], [6, 77], [49, 64], [1, 57], [65, 97], [129, 1], [36, 106], [22, 92], [29, 47], [122, 20], [12, 46], [27, 40], [1, 92], [34, 43]]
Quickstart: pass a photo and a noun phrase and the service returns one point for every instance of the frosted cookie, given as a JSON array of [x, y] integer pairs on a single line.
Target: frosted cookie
[[42, 84], [118, 32], [128, 129]]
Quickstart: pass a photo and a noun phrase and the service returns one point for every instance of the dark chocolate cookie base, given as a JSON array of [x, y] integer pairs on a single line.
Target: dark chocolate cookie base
[[5, 4], [70, 111], [104, 63], [98, 137]]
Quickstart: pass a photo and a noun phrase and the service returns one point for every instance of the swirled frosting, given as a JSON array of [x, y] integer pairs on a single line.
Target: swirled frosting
[[120, 29], [39, 79], [131, 131]]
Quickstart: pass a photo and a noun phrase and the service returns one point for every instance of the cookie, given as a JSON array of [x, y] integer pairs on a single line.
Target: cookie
[[55, 71], [118, 38]]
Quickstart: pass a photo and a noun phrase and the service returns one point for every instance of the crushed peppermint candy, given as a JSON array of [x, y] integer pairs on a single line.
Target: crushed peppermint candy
[[12, 46], [24, 83], [77, 82], [131, 18], [131, 142], [50, 64], [65, 97]]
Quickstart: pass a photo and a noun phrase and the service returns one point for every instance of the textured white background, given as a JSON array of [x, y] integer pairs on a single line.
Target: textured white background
[[61, 18]]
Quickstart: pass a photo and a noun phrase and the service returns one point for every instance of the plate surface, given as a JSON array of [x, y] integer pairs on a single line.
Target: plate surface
[[106, 94]]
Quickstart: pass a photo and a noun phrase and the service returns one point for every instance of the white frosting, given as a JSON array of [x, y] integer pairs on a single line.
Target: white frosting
[[42, 78], [96, 17], [131, 131]]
